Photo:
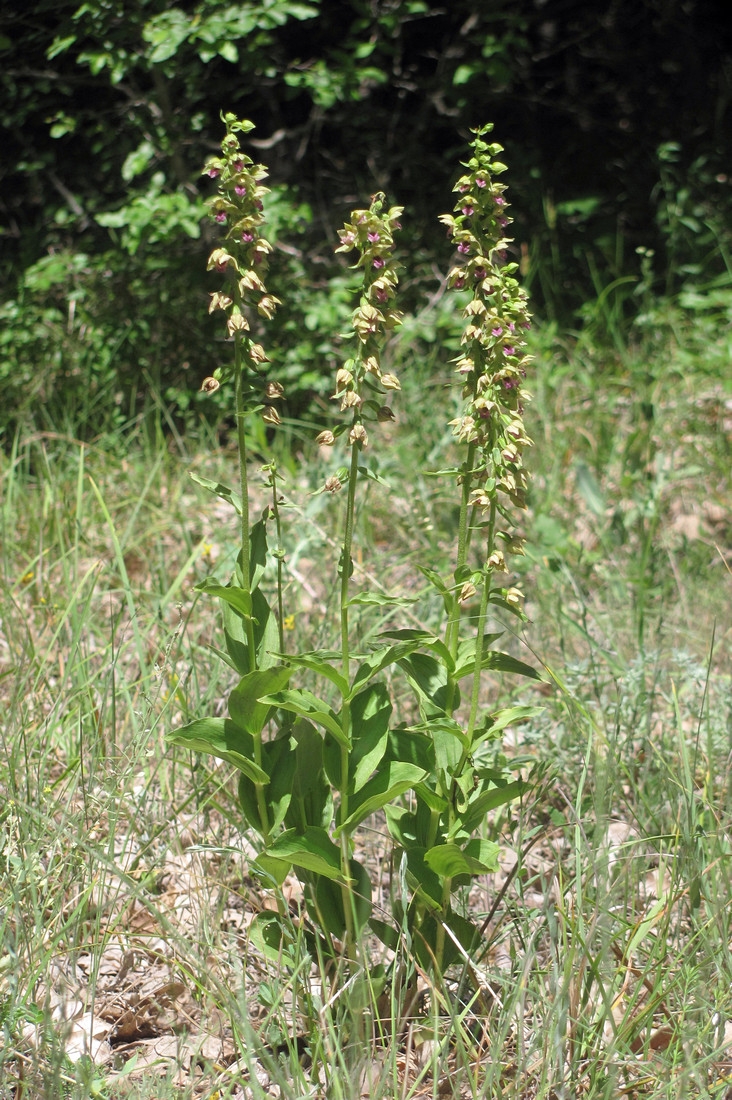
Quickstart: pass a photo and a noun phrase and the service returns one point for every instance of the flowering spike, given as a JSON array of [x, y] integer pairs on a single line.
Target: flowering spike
[[492, 363], [237, 209], [371, 234]]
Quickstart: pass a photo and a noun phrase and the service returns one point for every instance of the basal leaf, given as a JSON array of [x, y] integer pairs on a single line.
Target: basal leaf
[[329, 899], [302, 702], [221, 738], [370, 713], [245, 706], [390, 781], [312, 850]]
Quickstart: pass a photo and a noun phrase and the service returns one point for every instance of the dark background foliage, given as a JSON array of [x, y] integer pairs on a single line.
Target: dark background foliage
[[615, 119]]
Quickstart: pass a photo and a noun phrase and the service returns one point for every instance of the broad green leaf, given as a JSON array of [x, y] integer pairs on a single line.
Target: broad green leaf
[[435, 580], [257, 552], [387, 933], [272, 938], [458, 943], [449, 740], [411, 746], [391, 780], [218, 489], [431, 798], [316, 663], [376, 662], [370, 713], [485, 801], [402, 825], [502, 662], [221, 738], [465, 660], [312, 799], [329, 901], [429, 678], [245, 707], [271, 871], [279, 762], [312, 850], [478, 857], [266, 635], [379, 599], [494, 724], [422, 880], [372, 475], [231, 594], [426, 640], [302, 702]]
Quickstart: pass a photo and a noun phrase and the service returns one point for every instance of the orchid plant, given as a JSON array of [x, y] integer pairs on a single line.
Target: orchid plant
[[316, 762]]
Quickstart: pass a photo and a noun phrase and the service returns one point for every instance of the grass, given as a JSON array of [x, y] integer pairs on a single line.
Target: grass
[[130, 965]]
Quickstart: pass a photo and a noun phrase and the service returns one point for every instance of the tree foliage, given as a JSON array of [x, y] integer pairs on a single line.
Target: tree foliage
[[616, 122]]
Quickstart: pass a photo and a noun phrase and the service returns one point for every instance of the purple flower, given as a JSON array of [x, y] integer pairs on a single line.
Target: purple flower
[[497, 331], [378, 262], [508, 383], [499, 200], [346, 236], [382, 295], [220, 217], [259, 205], [396, 225], [463, 187], [213, 173], [511, 326], [480, 182], [464, 247], [240, 190], [503, 222], [468, 210], [373, 236], [484, 414], [247, 237], [459, 282], [238, 165], [508, 350], [480, 273], [222, 265]]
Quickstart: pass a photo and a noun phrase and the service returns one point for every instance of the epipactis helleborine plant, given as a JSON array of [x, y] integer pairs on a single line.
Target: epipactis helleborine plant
[[315, 764]]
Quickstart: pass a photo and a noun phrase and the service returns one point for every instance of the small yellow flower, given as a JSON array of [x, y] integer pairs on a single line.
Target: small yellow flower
[[28, 577], [289, 622], [206, 549]]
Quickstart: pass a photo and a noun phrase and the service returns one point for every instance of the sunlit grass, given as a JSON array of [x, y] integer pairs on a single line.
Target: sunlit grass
[[605, 967]]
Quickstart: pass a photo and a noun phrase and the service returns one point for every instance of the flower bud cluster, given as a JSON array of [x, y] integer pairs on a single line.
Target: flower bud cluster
[[242, 256], [492, 364], [360, 382]]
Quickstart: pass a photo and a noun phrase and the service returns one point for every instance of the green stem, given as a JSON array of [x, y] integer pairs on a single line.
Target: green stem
[[242, 441], [452, 630], [279, 554], [245, 566], [482, 616], [346, 707]]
